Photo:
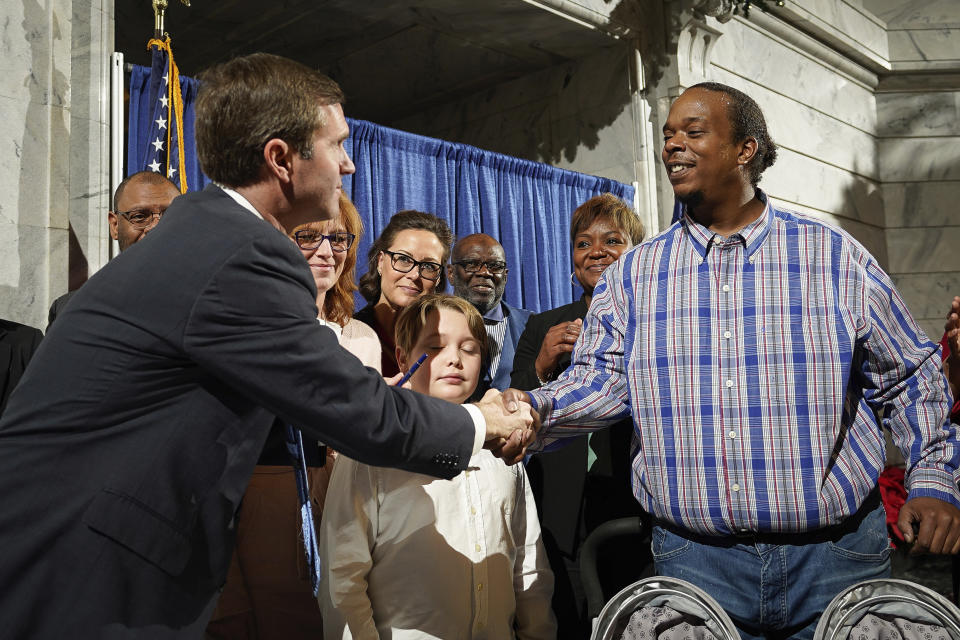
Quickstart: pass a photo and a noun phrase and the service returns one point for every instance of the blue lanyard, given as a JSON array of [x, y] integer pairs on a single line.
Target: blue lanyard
[[298, 460]]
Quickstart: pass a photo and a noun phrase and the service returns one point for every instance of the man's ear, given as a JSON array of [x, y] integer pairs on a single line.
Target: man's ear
[[402, 360], [277, 157], [450, 272], [748, 149], [113, 221]]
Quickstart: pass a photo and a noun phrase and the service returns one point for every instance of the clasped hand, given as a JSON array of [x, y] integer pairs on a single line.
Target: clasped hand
[[512, 424]]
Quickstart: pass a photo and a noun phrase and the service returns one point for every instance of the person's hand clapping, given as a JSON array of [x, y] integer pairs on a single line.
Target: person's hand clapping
[[559, 340]]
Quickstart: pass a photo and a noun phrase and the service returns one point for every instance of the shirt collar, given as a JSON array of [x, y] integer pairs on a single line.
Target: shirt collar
[[751, 236], [240, 200], [496, 314]]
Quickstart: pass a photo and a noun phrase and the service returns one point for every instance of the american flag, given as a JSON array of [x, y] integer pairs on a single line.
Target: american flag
[[165, 148]]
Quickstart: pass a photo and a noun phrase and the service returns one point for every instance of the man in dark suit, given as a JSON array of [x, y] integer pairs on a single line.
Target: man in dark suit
[[478, 272], [128, 444], [17, 345], [138, 203]]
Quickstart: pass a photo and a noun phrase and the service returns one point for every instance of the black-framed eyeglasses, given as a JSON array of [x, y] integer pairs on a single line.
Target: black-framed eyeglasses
[[141, 218], [404, 264], [495, 267], [308, 239]]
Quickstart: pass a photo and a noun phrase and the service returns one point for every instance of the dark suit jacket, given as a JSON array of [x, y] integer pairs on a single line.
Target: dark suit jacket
[[17, 344], [127, 448], [524, 375], [57, 307], [516, 322], [559, 478]]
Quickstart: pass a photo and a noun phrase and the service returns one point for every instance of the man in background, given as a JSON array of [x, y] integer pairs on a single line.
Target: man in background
[[138, 203], [478, 271], [17, 344]]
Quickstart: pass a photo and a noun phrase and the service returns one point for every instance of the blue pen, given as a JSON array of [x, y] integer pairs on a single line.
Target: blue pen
[[413, 370]]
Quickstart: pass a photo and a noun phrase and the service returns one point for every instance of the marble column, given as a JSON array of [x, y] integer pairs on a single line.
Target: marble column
[[47, 168], [89, 139], [920, 164]]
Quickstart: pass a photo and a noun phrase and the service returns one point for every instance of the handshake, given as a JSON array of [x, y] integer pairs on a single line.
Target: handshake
[[512, 424]]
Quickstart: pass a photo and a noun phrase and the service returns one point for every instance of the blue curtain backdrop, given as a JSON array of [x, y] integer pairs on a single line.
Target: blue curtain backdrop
[[525, 205], [142, 129]]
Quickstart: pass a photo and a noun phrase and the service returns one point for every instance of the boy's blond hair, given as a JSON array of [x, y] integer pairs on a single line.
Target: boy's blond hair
[[414, 316]]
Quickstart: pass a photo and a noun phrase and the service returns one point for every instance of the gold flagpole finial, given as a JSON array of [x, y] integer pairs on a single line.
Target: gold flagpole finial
[[159, 11]]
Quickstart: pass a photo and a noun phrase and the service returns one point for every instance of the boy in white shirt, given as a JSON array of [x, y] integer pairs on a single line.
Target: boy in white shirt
[[406, 555]]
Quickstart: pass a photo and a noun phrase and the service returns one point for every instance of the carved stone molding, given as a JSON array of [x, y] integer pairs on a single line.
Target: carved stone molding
[[694, 45], [722, 10]]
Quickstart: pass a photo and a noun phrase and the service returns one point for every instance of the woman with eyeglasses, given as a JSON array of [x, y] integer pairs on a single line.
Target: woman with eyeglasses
[[582, 484], [404, 263], [330, 248], [268, 593]]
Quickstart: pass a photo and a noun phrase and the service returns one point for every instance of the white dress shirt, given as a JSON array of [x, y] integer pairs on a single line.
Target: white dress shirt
[[410, 556]]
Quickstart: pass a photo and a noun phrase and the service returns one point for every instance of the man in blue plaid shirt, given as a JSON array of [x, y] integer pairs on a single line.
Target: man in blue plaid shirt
[[759, 351]]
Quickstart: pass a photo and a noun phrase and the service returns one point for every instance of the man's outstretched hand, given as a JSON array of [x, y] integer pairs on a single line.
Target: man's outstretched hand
[[939, 525], [511, 424]]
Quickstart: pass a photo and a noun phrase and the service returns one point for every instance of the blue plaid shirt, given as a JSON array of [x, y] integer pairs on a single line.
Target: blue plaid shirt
[[757, 369]]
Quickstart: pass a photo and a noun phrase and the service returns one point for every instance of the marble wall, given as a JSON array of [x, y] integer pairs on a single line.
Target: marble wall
[[90, 243], [919, 152], [922, 34], [49, 148], [918, 130]]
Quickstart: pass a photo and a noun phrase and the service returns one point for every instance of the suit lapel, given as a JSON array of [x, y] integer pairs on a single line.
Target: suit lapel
[[508, 348], [6, 373]]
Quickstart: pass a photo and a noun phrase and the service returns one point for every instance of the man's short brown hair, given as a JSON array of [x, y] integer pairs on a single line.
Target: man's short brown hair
[[244, 103], [413, 317]]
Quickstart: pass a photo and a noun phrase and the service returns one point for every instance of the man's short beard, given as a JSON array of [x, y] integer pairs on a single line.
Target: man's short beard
[[691, 200], [483, 306], [462, 290]]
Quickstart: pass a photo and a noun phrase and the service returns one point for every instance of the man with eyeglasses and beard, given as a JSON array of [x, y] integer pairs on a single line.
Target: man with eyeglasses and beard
[[138, 204], [478, 273]]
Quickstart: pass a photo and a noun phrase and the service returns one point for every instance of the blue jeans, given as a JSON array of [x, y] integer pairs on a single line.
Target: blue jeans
[[777, 590]]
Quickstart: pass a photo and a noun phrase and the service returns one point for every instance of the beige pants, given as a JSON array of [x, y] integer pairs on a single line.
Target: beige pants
[[268, 593]]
